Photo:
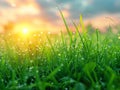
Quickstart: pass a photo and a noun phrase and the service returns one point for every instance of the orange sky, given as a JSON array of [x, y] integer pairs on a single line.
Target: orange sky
[[25, 12], [32, 13]]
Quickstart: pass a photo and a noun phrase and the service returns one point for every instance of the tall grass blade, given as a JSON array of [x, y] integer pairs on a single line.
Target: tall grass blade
[[82, 25], [67, 28], [51, 45], [81, 38], [97, 34]]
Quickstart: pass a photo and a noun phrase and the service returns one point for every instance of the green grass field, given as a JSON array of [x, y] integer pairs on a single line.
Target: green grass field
[[72, 61]]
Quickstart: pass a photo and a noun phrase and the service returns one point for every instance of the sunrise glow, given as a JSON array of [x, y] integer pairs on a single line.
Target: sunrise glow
[[23, 28], [25, 31]]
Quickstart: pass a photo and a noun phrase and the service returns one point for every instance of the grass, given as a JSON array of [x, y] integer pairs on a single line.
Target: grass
[[72, 61]]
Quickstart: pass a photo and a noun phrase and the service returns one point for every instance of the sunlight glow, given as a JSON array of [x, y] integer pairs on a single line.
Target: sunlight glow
[[25, 31]]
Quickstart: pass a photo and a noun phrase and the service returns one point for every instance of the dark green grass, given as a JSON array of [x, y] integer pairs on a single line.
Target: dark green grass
[[60, 62]]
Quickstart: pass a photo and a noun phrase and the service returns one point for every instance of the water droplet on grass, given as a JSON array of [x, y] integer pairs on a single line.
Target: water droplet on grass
[[30, 42], [59, 70], [82, 58], [49, 33], [59, 54], [41, 32], [66, 89], [34, 35], [32, 54], [30, 68], [119, 37], [62, 64], [31, 61], [37, 71], [2, 80]]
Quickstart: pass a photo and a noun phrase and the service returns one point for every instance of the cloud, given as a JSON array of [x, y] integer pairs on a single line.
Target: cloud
[[74, 7], [29, 7], [46, 11], [29, 11]]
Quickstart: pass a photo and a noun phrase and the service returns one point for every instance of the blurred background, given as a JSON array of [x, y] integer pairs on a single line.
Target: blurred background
[[44, 16]]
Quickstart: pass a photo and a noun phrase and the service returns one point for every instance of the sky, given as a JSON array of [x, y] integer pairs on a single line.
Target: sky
[[87, 7], [45, 12]]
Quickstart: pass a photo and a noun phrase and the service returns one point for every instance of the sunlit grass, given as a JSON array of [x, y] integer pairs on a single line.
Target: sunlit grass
[[73, 61]]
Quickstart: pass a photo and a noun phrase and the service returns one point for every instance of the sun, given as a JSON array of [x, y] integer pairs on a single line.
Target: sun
[[25, 31]]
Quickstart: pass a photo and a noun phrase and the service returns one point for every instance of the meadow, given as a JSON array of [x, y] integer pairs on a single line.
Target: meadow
[[65, 61]]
